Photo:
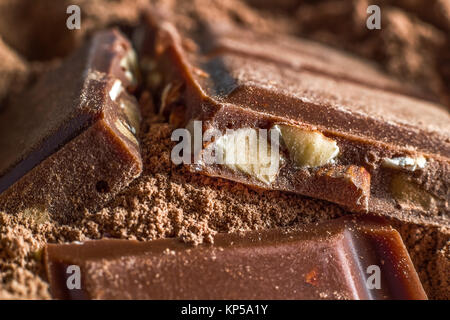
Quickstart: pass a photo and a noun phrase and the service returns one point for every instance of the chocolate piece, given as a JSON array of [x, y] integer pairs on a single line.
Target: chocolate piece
[[334, 260], [70, 142], [332, 113]]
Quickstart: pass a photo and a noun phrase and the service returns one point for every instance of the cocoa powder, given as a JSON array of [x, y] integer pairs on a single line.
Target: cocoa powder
[[168, 200]]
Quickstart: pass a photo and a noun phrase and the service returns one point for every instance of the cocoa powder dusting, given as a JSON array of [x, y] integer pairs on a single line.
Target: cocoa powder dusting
[[169, 201], [429, 249]]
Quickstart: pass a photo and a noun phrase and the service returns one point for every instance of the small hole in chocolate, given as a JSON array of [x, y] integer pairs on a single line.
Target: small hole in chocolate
[[102, 186]]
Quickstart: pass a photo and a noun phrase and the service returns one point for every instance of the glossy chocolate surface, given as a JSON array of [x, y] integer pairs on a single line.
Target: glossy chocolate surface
[[326, 261]]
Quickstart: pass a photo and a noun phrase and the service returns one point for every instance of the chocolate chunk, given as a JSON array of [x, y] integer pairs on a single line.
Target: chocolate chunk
[[333, 113], [347, 258], [70, 143]]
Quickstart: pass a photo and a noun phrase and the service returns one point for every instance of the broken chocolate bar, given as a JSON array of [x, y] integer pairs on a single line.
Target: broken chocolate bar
[[70, 143], [340, 130], [346, 258]]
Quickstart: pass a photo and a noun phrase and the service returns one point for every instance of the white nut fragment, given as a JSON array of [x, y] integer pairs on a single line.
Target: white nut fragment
[[249, 150], [130, 66], [407, 163], [131, 111], [306, 147], [116, 89], [125, 129]]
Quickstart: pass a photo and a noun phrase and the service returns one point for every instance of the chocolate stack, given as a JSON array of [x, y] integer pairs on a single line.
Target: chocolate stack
[[275, 113]]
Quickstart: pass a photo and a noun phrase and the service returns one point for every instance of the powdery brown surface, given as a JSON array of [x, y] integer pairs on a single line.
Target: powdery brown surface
[[167, 200]]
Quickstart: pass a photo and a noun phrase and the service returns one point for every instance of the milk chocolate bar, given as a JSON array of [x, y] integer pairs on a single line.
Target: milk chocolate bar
[[69, 143], [341, 130], [348, 258]]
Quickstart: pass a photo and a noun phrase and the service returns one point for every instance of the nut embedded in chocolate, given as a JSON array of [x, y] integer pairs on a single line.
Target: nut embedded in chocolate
[[308, 148], [409, 194], [249, 151], [407, 163], [249, 80]]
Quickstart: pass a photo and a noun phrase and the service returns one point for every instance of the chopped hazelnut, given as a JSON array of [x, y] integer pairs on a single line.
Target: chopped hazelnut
[[130, 66], [407, 163], [244, 150], [308, 148], [411, 194]]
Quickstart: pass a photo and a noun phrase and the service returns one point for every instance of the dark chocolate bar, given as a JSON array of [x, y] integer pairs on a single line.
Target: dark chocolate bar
[[70, 143], [347, 258], [344, 131]]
